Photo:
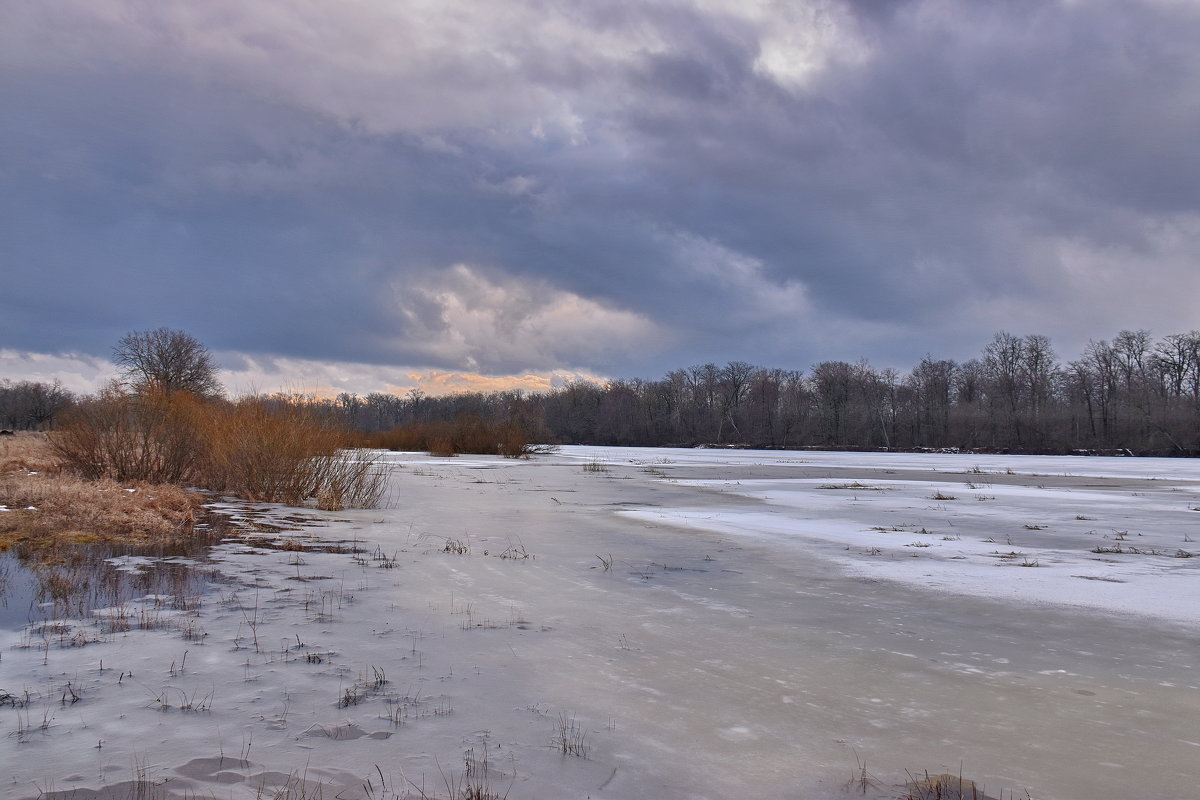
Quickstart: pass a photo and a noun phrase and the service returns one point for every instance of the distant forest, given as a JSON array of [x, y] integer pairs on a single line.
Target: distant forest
[[1133, 393]]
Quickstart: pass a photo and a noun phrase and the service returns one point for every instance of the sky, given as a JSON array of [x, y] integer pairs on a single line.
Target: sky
[[379, 196]]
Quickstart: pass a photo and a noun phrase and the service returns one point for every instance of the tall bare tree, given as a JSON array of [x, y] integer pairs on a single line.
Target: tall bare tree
[[167, 360]]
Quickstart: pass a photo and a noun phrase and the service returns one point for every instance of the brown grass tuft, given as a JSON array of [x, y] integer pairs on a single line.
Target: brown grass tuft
[[115, 469], [47, 506], [941, 787], [45, 510]]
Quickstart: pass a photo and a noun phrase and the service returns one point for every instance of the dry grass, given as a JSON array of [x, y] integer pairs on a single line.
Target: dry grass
[[115, 469], [48, 506], [941, 787], [26, 451], [852, 485], [569, 737], [474, 783]]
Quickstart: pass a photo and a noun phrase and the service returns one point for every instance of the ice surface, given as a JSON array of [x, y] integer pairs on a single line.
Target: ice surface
[[703, 624]]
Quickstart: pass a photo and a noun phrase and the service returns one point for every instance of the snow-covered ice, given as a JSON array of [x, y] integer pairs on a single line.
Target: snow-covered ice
[[701, 623]]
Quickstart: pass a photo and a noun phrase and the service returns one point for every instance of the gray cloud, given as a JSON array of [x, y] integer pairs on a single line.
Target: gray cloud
[[609, 187]]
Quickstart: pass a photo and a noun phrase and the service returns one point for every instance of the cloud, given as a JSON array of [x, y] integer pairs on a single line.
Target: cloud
[[612, 188], [465, 317], [77, 372], [434, 382], [243, 375], [801, 41], [248, 374]]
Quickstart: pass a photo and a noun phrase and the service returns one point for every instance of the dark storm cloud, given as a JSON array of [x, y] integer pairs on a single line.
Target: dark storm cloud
[[621, 187]]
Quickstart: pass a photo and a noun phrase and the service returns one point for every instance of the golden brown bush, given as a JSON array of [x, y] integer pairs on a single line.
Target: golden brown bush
[[254, 448], [151, 437], [465, 434], [286, 454]]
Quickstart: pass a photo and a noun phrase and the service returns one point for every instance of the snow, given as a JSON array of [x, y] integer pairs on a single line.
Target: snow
[[963, 540], [702, 623]]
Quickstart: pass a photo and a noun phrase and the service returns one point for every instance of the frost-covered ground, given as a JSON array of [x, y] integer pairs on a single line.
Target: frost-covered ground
[[698, 624]]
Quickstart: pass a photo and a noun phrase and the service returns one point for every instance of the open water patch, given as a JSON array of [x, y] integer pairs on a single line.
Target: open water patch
[[121, 584], [81, 582]]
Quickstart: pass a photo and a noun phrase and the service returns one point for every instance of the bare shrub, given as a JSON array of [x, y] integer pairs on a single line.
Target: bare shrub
[[513, 441], [149, 437], [465, 434], [406, 438], [260, 450], [569, 738], [284, 453]]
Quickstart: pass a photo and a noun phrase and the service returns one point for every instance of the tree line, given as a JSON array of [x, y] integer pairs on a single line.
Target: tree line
[[1131, 393], [31, 405]]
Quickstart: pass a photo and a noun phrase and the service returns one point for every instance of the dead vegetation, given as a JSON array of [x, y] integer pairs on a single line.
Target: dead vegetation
[[116, 468], [26, 452], [940, 786], [856, 485], [254, 448], [467, 433], [945, 786], [569, 738], [45, 506], [287, 455]]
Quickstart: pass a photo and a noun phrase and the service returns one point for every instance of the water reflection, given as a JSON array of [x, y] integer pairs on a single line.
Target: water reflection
[[120, 586]]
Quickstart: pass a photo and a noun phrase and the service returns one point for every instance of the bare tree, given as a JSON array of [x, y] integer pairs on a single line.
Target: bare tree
[[832, 386], [31, 404], [1040, 372], [43, 402], [1178, 361], [167, 360], [932, 384], [733, 381]]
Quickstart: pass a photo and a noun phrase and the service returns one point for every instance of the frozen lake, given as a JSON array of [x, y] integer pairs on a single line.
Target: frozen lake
[[698, 623]]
